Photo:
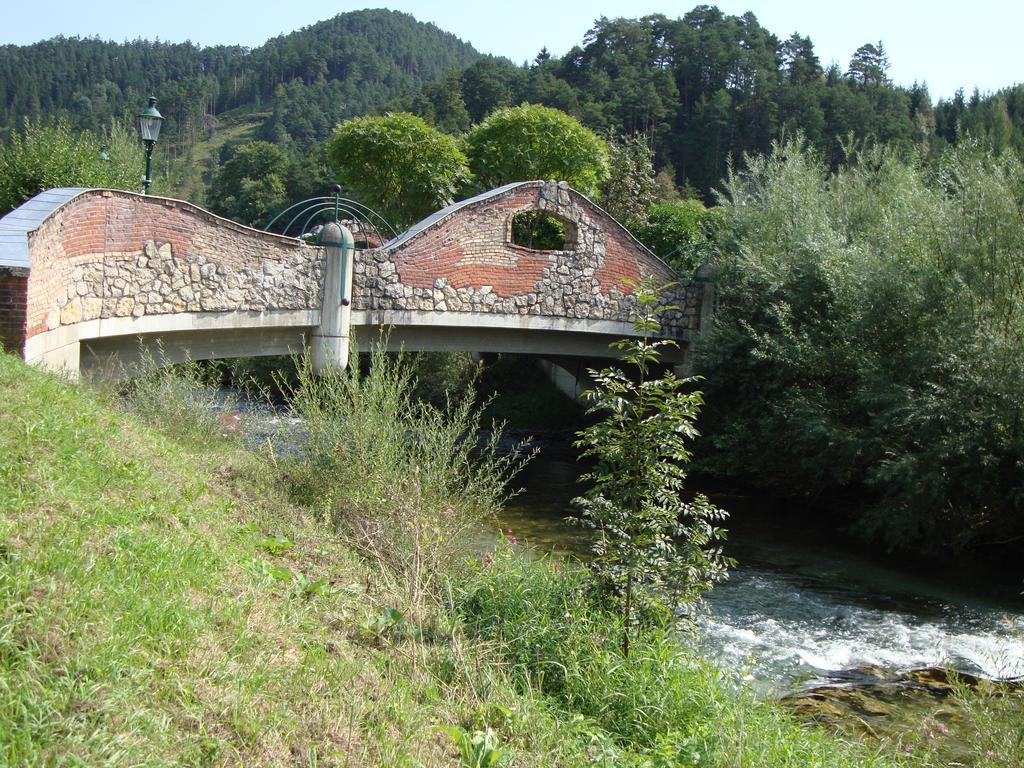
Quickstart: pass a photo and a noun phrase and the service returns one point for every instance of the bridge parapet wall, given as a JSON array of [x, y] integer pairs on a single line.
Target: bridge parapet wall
[[463, 260], [97, 272], [109, 254]]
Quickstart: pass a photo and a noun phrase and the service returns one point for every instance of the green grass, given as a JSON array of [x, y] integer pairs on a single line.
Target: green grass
[[661, 706], [187, 172], [145, 620], [136, 626], [162, 602]]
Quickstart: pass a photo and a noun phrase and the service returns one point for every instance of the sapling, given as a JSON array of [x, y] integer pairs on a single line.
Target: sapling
[[653, 549]]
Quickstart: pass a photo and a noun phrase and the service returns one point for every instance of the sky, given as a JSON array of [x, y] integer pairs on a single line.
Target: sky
[[948, 45]]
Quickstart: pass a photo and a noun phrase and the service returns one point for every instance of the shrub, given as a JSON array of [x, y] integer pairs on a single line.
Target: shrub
[[867, 342], [662, 706], [398, 164], [533, 142], [559, 641], [680, 232], [181, 399], [653, 550], [44, 155]]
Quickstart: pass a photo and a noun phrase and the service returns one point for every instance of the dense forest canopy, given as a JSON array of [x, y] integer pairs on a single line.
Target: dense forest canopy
[[704, 89], [300, 85]]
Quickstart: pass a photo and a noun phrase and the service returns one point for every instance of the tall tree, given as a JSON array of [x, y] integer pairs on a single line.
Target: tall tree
[[678, 231], [628, 191], [399, 165], [799, 60], [922, 116], [489, 84], [250, 187], [706, 89], [442, 105], [534, 142], [869, 65]]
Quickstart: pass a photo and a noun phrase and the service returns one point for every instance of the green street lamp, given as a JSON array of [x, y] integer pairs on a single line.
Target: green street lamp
[[149, 130]]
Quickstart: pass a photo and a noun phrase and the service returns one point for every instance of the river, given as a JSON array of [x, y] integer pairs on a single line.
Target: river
[[796, 611]]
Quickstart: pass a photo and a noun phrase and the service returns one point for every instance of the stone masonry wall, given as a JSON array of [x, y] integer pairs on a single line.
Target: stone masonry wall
[[13, 307], [108, 254], [467, 263]]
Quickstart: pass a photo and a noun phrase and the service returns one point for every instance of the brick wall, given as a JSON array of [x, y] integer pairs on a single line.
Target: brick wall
[[466, 262], [110, 254], [13, 307]]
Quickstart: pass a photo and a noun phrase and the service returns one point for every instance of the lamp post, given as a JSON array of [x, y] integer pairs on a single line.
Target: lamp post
[[149, 130]]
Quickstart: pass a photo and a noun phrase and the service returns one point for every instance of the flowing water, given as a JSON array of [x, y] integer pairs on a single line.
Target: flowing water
[[795, 612], [845, 641]]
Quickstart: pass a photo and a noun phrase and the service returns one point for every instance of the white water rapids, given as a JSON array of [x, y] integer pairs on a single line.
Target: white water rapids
[[795, 611], [780, 627]]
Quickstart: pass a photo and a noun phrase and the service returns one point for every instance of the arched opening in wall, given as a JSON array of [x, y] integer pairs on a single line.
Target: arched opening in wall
[[542, 231]]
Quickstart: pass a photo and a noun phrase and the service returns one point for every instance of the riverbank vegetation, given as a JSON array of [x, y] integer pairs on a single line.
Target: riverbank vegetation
[[168, 597], [865, 353]]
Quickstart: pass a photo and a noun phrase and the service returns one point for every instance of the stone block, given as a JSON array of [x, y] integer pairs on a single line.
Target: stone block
[[71, 313], [92, 307]]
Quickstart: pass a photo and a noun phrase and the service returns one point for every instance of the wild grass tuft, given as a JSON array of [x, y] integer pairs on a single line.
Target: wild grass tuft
[[180, 399], [403, 479]]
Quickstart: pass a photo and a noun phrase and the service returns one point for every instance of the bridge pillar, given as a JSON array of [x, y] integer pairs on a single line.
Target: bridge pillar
[[329, 343], [569, 375]]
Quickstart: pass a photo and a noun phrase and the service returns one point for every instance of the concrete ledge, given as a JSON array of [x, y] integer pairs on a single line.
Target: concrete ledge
[[426, 331], [52, 348], [432, 319], [117, 356], [510, 341], [98, 345]]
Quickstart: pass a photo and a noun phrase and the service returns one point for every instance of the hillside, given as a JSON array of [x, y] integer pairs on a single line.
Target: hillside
[[305, 81], [706, 89]]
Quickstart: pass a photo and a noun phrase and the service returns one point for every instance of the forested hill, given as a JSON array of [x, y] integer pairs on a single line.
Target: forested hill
[[704, 89], [710, 87], [307, 80]]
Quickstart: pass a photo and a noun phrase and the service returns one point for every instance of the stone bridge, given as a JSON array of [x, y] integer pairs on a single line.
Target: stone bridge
[[89, 275]]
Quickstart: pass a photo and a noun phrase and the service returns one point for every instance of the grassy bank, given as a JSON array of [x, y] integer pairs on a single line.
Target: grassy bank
[[167, 598], [140, 622]]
